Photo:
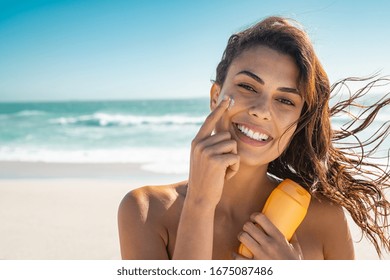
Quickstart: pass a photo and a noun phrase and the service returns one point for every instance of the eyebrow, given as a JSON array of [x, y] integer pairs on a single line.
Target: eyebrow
[[260, 80]]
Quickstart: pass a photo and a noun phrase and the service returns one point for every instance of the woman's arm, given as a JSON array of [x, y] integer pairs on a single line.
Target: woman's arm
[[140, 238], [195, 232], [213, 160]]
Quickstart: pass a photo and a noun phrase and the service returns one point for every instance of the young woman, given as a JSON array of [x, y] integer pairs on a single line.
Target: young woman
[[279, 127]]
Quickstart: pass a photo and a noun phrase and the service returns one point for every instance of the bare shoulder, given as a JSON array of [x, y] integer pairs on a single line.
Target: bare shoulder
[[158, 197], [142, 217], [331, 227]]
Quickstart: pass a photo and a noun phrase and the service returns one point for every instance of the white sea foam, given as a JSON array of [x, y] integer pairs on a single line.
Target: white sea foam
[[27, 113], [104, 119], [24, 113], [159, 160]]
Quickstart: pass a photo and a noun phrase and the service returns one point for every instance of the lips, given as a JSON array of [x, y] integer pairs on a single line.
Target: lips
[[252, 135]]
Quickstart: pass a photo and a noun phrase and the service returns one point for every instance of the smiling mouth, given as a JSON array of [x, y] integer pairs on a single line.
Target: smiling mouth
[[255, 135]]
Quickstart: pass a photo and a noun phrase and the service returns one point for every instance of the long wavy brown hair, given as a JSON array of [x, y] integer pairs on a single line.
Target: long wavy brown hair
[[332, 163]]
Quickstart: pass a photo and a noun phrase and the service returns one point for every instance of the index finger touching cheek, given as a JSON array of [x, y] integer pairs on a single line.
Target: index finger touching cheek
[[212, 119]]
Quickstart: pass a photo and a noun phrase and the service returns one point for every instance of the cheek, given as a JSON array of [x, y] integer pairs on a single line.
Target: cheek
[[286, 137], [238, 103], [287, 120]]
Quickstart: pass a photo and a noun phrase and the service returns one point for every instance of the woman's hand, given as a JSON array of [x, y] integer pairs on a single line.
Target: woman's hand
[[266, 242], [213, 159]]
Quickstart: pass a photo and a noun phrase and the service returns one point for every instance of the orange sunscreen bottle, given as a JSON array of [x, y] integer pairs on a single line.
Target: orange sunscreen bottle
[[286, 208]]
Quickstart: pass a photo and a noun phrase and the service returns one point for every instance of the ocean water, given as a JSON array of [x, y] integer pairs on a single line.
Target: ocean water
[[155, 133]]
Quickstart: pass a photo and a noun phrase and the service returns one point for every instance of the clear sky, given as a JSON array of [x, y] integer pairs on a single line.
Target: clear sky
[[86, 50]]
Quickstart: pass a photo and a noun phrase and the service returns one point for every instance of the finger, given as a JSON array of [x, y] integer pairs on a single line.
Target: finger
[[268, 227], [294, 242], [227, 160], [224, 147], [212, 140], [219, 154], [212, 119], [248, 241], [232, 169], [239, 257], [257, 232]]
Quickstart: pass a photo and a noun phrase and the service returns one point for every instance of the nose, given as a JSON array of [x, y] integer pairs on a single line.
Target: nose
[[261, 108]]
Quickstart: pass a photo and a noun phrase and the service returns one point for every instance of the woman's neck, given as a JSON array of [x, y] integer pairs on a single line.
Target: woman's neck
[[246, 192]]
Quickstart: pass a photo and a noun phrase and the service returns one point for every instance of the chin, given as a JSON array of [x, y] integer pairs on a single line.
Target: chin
[[248, 158]]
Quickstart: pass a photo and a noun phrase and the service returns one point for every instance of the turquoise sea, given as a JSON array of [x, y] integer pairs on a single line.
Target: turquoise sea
[[155, 133]]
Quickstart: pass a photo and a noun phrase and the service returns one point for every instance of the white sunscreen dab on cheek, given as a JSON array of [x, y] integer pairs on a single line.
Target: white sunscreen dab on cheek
[[231, 103]]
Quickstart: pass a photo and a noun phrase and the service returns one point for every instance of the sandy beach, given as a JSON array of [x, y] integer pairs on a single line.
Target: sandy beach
[[68, 211], [65, 211]]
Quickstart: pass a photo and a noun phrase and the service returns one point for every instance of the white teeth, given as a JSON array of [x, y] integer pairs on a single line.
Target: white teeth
[[251, 134]]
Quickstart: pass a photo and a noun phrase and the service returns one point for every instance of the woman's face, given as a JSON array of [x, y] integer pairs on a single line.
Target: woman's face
[[267, 103]]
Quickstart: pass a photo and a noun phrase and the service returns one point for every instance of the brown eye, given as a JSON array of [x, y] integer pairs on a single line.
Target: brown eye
[[247, 87], [286, 101]]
